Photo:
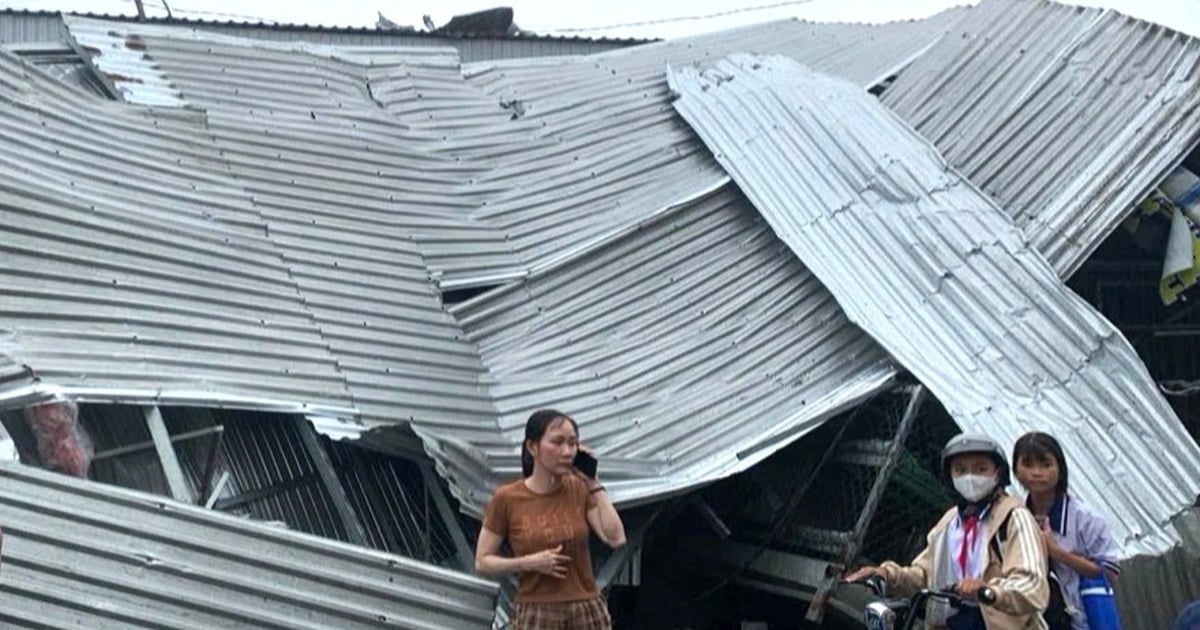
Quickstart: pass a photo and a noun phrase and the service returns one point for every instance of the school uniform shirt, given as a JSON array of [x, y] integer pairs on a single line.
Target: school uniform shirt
[[1017, 575], [1081, 531]]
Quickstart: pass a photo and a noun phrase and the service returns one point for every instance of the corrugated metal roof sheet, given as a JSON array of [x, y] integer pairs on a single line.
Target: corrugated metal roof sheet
[[78, 553], [135, 268], [261, 131], [350, 195], [561, 175], [689, 350], [945, 281], [618, 154], [1067, 116], [47, 26], [30, 26]]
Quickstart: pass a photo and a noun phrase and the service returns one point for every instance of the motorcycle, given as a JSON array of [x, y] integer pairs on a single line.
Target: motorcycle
[[902, 613]]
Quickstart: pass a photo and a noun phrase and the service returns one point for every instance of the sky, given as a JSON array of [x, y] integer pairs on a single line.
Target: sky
[[610, 18]]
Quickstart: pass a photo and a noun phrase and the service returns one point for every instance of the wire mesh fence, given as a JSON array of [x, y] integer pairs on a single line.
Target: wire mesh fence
[[829, 500]]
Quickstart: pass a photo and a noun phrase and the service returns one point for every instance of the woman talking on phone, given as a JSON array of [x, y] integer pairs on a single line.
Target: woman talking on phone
[[547, 517]]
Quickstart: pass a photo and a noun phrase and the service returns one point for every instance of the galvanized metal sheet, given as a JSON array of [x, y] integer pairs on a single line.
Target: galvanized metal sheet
[[78, 553], [619, 154], [20, 26], [687, 351], [351, 196], [1067, 116], [135, 268], [947, 283]]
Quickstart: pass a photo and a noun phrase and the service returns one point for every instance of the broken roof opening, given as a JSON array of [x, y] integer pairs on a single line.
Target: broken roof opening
[[863, 487], [451, 297], [879, 88], [1127, 280], [283, 502], [64, 63], [270, 467]]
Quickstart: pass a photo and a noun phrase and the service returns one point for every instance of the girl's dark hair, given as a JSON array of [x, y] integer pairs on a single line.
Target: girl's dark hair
[[535, 428], [1038, 445]]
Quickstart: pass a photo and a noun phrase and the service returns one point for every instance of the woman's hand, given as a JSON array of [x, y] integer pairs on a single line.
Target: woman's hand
[[863, 573], [550, 562]]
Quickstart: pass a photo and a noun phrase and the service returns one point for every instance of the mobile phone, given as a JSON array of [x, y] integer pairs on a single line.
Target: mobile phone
[[585, 463]]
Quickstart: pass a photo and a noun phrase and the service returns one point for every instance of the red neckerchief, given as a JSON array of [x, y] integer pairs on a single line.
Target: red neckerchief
[[970, 527]]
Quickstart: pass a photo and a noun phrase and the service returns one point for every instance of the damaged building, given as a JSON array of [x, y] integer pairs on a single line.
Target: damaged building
[[275, 304]]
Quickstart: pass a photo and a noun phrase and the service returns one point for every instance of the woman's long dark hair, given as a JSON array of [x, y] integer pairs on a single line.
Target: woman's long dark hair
[[1036, 445], [535, 428]]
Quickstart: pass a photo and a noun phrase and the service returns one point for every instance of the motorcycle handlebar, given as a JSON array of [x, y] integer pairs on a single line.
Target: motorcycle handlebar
[[984, 595]]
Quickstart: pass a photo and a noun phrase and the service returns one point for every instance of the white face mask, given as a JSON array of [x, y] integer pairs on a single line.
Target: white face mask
[[974, 487]]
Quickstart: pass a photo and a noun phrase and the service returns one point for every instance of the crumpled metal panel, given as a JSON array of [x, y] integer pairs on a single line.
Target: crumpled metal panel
[[946, 282], [134, 268], [275, 114], [353, 198], [688, 351], [121, 60], [606, 152], [84, 554], [1067, 116]]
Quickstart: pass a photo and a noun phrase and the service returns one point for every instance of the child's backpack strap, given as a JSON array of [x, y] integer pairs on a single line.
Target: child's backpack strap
[[1000, 537], [1055, 615]]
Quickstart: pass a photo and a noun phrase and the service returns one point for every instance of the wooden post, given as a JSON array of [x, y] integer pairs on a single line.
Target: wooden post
[[354, 529], [176, 480]]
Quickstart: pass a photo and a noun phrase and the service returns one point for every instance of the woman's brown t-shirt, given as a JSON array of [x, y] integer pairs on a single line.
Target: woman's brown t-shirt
[[534, 522]]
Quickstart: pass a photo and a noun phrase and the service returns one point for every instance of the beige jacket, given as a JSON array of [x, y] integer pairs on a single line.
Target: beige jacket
[[1019, 581]]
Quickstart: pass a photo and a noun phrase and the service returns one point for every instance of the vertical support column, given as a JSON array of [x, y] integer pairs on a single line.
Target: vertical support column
[[816, 610], [176, 480], [312, 444]]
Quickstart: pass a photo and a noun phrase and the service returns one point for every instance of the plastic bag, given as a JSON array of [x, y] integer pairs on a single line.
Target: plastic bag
[[62, 442]]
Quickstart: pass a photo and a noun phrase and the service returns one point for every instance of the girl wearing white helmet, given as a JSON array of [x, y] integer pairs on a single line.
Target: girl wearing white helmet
[[988, 545]]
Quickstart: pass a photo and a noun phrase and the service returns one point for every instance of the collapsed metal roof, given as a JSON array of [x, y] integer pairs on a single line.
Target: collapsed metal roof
[[109, 209], [936, 273], [690, 350], [277, 111], [368, 180], [82, 553]]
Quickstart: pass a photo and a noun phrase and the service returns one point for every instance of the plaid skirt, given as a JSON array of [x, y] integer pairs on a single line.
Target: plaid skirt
[[585, 614]]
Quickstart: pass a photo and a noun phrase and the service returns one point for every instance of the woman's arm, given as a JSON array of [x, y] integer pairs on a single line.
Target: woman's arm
[[488, 560], [602, 517]]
